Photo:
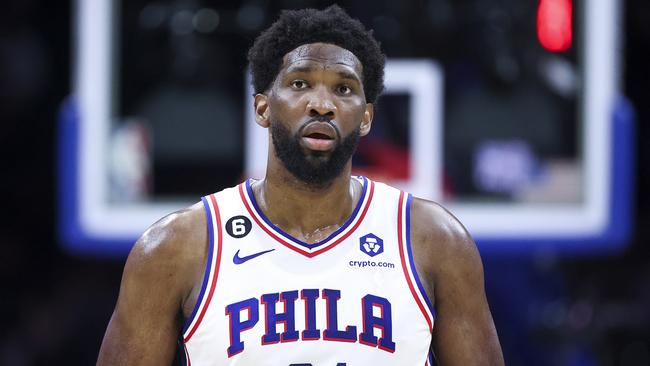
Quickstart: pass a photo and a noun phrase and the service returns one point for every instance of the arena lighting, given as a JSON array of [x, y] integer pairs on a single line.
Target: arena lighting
[[554, 24]]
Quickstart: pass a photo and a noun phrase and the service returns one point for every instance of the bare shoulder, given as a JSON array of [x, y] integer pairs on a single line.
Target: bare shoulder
[[171, 253], [440, 237], [159, 280], [434, 220], [445, 253], [178, 238]]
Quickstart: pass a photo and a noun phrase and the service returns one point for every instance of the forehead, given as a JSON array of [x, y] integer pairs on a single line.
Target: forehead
[[324, 54]]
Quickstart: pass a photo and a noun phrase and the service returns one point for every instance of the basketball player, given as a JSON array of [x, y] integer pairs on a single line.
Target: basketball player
[[310, 265]]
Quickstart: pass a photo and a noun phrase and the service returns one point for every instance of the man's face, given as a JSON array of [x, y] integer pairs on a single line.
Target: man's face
[[316, 110]]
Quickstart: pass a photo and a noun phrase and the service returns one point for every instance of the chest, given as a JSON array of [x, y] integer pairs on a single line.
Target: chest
[[267, 298]]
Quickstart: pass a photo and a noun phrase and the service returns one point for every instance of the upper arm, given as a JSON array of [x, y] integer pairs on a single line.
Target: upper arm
[[158, 276], [464, 332]]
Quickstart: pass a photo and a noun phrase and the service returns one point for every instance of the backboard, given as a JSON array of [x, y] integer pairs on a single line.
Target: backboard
[[516, 192]]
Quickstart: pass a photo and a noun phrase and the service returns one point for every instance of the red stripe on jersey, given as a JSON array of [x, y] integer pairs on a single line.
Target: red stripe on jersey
[[187, 356], [404, 264], [215, 269]]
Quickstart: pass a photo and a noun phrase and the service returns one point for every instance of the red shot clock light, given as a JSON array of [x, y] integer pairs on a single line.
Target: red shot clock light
[[554, 24]]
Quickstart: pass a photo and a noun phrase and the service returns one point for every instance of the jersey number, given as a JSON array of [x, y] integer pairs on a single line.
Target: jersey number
[[238, 226]]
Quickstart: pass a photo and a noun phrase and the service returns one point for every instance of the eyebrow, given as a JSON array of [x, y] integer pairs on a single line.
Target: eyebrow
[[341, 73]]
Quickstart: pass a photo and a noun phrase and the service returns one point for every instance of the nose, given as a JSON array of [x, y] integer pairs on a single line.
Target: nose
[[320, 103]]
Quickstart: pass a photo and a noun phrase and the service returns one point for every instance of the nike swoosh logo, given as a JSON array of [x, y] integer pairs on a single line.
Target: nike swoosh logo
[[239, 260]]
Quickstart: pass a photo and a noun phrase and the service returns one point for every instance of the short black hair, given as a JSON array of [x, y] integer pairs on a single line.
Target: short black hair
[[333, 25]]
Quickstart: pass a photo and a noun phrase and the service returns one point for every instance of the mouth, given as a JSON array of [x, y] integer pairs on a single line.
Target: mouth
[[319, 136]]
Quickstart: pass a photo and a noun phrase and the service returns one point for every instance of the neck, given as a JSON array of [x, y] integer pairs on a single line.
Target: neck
[[307, 212]]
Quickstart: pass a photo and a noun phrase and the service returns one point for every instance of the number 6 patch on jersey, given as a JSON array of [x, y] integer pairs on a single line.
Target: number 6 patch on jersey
[[238, 226]]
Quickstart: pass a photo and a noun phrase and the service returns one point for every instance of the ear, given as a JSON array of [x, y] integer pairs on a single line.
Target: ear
[[366, 121], [262, 110]]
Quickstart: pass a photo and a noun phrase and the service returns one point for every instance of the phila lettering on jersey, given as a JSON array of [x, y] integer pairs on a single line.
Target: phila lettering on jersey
[[268, 298]]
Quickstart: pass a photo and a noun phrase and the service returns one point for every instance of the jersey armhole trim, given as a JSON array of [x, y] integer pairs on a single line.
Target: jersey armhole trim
[[410, 271], [429, 361], [186, 359], [211, 268]]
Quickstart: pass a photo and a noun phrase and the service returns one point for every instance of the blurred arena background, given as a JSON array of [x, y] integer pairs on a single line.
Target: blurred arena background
[[509, 100]]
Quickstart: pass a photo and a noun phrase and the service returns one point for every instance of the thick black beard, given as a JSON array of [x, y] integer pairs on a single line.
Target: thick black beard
[[316, 169]]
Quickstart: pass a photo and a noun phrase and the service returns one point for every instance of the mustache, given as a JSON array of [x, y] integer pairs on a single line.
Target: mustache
[[320, 118]]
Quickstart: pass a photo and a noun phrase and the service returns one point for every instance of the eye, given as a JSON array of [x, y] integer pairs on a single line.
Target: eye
[[344, 89], [299, 84]]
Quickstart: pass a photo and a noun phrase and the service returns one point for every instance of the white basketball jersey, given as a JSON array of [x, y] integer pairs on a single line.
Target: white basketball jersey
[[353, 299]]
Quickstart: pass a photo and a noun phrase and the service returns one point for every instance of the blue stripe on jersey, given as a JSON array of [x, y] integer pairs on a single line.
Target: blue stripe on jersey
[[410, 254], [208, 265], [249, 190]]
